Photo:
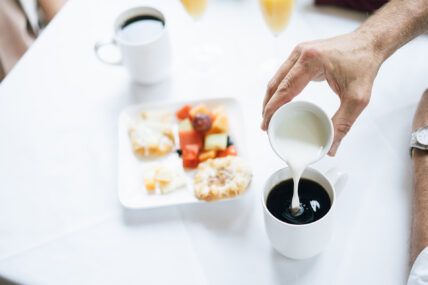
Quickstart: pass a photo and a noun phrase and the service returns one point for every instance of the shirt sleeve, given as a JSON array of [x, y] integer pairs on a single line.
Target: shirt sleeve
[[419, 273]]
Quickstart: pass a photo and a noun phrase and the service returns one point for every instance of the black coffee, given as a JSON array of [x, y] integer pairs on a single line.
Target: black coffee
[[314, 202], [141, 29]]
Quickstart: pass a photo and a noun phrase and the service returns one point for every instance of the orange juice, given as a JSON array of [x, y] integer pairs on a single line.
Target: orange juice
[[195, 8], [277, 13]]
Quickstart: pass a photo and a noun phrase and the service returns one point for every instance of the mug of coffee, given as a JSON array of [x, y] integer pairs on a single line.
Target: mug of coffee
[[308, 234], [141, 35]]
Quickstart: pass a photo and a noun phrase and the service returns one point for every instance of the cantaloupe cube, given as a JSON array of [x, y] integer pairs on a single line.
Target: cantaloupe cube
[[219, 110], [207, 155], [199, 109], [220, 124]]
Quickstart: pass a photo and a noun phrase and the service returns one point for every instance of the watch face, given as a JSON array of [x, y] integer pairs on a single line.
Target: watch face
[[422, 135]]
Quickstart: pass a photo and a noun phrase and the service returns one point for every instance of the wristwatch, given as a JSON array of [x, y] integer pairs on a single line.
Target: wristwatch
[[419, 139]]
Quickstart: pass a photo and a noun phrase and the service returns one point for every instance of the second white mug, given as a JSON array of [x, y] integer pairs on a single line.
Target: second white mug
[[304, 240], [148, 61]]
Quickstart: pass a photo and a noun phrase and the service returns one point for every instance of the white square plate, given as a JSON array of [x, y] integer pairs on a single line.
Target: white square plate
[[132, 193]]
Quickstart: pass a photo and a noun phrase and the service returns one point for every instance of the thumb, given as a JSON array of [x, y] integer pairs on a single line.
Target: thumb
[[350, 108]]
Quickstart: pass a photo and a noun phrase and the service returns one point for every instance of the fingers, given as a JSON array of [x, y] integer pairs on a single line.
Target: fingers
[[280, 74], [350, 108], [293, 83]]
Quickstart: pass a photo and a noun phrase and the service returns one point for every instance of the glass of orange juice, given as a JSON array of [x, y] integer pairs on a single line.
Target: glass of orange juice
[[277, 13], [203, 54], [195, 8]]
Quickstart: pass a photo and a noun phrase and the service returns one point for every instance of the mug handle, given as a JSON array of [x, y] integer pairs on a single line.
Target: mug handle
[[337, 178], [101, 44]]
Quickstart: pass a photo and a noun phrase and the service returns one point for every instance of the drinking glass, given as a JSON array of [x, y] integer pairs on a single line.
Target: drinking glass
[[205, 54], [195, 8], [276, 14]]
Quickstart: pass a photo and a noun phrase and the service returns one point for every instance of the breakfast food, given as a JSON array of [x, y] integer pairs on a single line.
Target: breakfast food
[[203, 134], [151, 133], [164, 178], [201, 138], [221, 178], [201, 123]]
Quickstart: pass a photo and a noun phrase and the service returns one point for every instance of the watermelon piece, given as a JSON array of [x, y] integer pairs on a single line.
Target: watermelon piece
[[190, 155], [190, 137], [183, 113]]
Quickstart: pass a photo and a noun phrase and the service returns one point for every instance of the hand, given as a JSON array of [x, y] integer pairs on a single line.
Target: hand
[[349, 63]]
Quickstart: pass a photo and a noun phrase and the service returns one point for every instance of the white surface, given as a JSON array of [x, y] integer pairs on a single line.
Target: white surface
[[60, 219], [132, 193]]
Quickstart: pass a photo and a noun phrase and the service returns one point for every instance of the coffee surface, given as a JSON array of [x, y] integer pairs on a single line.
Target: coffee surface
[[140, 29], [314, 202]]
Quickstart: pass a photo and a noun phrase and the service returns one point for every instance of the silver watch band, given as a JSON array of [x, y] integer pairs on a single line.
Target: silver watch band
[[414, 144]]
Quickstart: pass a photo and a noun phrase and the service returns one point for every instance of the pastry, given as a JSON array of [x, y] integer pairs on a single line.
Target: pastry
[[151, 133], [164, 178], [220, 178]]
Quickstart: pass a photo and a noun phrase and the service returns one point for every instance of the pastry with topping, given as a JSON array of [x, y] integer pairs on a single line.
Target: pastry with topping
[[221, 178], [151, 133]]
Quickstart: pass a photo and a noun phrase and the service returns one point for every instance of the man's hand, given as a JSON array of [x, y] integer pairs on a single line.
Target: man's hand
[[349, 63]]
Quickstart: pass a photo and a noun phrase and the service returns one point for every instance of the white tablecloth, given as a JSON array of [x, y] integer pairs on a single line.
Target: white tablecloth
[[60, 219]]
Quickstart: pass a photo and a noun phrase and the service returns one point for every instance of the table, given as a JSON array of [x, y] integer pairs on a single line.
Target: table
[[60, 219]]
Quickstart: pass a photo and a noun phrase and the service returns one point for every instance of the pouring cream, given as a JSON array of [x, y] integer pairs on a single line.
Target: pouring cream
[[300, 133]]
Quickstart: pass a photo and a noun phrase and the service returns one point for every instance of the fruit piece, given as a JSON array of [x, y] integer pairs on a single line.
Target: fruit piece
[[230, 150], [199, 109], [190, 163], [179, 152], [220, 124], [218, 111], [185, 125], [190, 137], [216, 142], [183, 113], [201, 123], [191, 152], [207, 154], [190, 155], [150, 184], [164, 174]]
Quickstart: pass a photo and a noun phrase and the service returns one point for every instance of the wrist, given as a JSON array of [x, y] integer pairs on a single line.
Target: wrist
[[375, 43], [420, 156]]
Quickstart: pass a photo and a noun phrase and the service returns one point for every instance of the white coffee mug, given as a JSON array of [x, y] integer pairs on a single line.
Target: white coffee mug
[[305, 240], [147, 62]]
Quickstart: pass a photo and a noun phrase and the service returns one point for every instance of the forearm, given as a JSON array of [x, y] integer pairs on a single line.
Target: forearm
[[51, 7], [420, 203], [395, 24]]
